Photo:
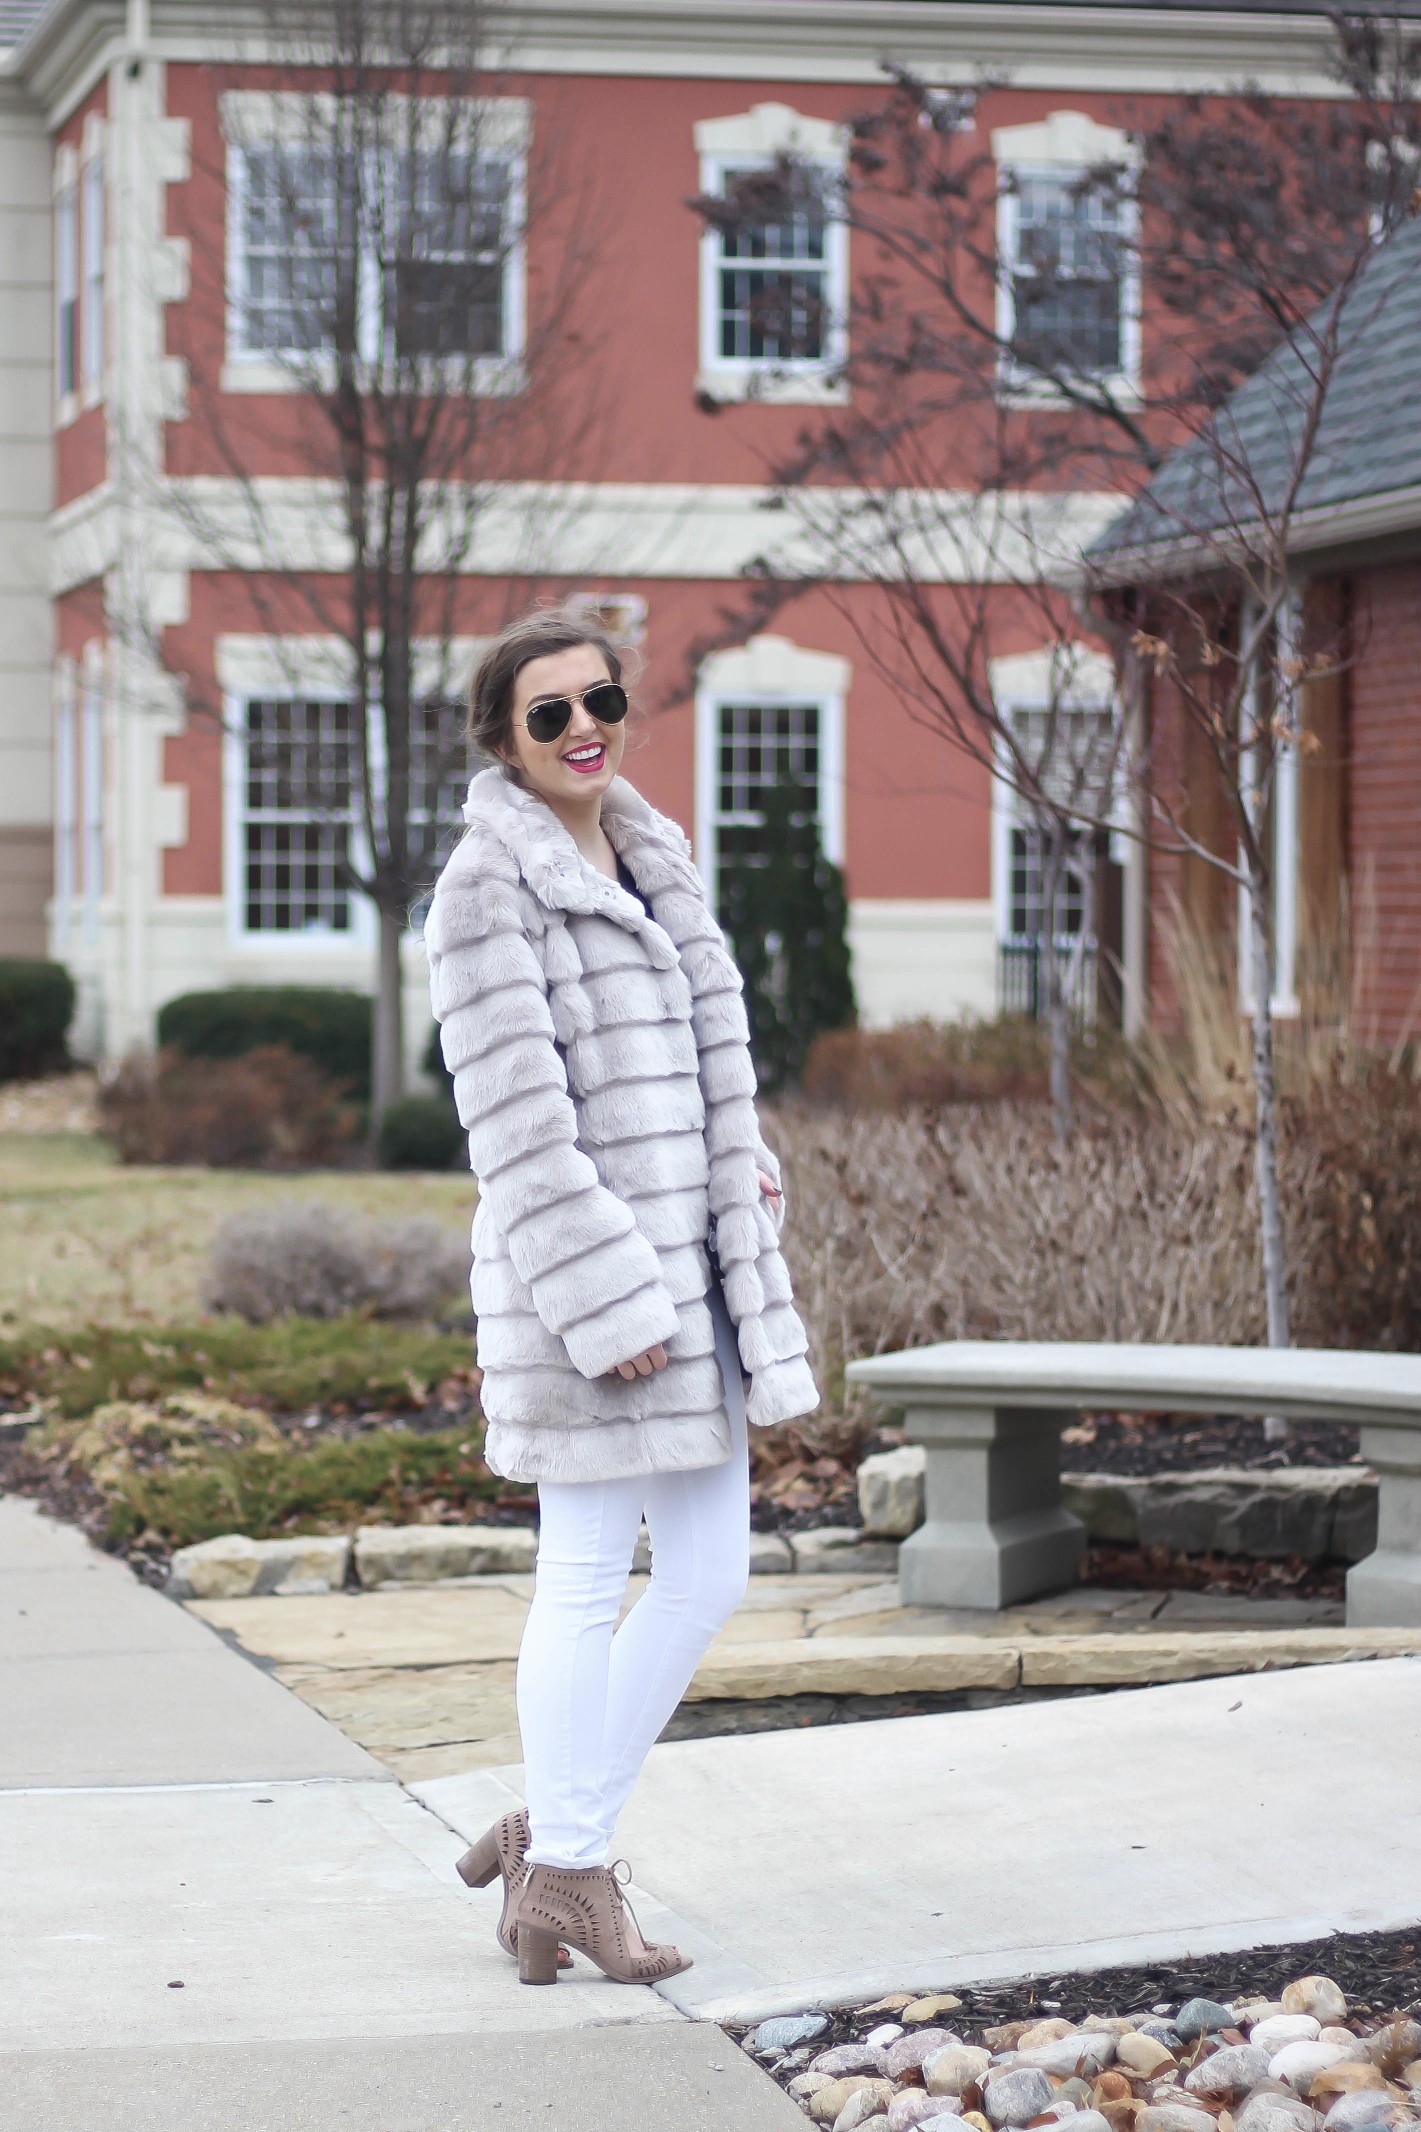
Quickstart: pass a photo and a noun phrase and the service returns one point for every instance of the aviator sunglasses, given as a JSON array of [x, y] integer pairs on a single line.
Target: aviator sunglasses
[[605, 700]]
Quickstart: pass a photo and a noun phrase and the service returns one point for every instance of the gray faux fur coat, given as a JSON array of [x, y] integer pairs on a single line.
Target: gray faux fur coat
[[602, 1069]]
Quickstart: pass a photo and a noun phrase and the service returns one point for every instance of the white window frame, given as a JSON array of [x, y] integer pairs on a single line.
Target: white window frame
[[1062, 148], [66, 836], [360, 934], [94, 239], [66, 287], [774, 673], [255, 121], [1286, 837], [91, 793], [752, 141]]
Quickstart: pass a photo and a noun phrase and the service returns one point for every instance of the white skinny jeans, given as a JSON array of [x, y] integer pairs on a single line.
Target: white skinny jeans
[[591, 1701]]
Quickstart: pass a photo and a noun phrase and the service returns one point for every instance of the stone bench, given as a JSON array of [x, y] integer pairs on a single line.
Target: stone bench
[[989, 1415]]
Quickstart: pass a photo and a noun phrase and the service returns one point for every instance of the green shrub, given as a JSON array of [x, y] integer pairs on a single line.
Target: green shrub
[[36, 1008], [432, 1061], [268, 1110], [323, 1023], [422, 1133], [288, 1366]]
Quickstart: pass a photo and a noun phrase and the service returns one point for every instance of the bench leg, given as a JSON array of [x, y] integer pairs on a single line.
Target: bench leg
[[995, 1531], [1384, 1591]]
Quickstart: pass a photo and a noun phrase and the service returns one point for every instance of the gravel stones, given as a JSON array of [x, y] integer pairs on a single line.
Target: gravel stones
[[786, 2030], [1070, 2054], [1017, 2095], [950, 2071], [912, 2107], [1317, 1996], [867, 2106], [1270, 2035], [1204, 2017], [911, 2051], [1275, 2113], [1230, 2071], [878, 2039], [1040, 2032], [1352, 2113], [1174, 2117], [1298, 2063], [846, 2058], [826, 2103], [1145, 2055], [1395, 2047], [937, 2002]]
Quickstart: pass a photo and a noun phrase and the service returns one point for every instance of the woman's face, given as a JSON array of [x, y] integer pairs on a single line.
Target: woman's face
[[580, 764]]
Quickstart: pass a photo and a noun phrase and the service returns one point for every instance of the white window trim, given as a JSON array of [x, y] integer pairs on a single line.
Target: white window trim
[[66, 256], [361, 934], [751, 140], [91, 792], [498, 125], [774, 672], [1065, 142], [66, 839], [93, 267]]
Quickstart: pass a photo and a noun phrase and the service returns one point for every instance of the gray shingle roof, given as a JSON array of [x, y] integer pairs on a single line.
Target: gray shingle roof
[[1369, 436]]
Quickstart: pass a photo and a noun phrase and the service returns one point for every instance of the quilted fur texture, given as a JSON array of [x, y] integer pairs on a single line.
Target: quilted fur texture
[[602, 1069]]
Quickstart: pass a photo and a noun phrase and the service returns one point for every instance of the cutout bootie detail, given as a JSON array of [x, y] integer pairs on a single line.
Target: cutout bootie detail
[[501, 1849], [585, 1906]]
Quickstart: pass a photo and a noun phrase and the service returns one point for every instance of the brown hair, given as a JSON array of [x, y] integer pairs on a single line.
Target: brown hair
[[532, 636]]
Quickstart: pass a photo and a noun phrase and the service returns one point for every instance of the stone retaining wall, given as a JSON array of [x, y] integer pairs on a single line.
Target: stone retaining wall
[[1318, 1512]]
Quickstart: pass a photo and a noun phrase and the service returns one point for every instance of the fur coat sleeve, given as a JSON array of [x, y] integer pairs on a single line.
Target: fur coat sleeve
[[595, 1279]]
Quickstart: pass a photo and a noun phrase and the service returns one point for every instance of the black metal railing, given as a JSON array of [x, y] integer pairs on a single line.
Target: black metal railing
[[1021, 977]]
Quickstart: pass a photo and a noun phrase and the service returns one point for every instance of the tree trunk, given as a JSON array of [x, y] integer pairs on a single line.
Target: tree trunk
[[1058, 1001], [388, 1064], [1270, 1211]]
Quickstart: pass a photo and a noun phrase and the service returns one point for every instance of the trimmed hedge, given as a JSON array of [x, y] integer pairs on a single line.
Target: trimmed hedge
[[422, 1133], [36, 1008], [323, 1023]]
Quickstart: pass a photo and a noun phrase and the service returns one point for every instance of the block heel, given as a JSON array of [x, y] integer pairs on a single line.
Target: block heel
[[537, 1955], [481, 1863]]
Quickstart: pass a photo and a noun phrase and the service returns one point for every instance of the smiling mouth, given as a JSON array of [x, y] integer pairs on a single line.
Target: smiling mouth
[[586, 759]]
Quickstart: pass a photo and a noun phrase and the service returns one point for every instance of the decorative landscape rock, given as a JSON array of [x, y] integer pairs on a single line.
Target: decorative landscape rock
[[1278, 2029], [826, 2102], [1047, 2031], [1202, 2017], [1298, 2062], [782, 2033], [861, 2109], [1275, 2113], [887, 2032], [234, 1567], [1317, 1996], [770, 1555], [911, 2051], [950, 2071], [1174, 2117], [1313, 1511], [842, 1547], [1145, 2055], [423, 1554], [1074, 2053], [937, 2002], [846, 2058], [1395, 2046], [1016, 2096], [1231, 2071], [890, 1490], [914, 2106]]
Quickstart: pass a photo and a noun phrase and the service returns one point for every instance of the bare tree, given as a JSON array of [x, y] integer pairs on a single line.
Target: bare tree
[[408, 263], [998, 419]]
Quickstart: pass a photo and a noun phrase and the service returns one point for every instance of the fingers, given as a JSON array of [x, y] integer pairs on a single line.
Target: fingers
[[654, 1358], [768, 1186]]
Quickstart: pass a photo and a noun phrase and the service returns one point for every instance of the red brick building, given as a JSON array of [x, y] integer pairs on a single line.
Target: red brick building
[[140, 254]]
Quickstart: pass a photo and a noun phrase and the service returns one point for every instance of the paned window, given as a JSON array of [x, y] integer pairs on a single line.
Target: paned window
[[773, 288], [439, 779], [298, 791], [323, 256], [66, 290], [759, 745], [94, 237], [1064, 267]]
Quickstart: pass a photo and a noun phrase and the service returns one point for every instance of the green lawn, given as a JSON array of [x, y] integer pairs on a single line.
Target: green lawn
[[84, 1240]]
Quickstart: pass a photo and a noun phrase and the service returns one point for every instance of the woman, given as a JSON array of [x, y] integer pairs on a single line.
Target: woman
[[633, 1308]]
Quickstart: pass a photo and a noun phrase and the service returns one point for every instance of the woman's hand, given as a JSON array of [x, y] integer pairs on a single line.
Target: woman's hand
[[768, 1186], [653, 1358]]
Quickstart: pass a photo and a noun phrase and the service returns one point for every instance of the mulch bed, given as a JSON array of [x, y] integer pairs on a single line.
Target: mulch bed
[[1182, 1443]]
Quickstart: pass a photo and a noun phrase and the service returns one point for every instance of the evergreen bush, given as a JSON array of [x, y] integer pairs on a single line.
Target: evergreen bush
[[36, 1008], [422, 1133], [787, 916], [323, 1023]]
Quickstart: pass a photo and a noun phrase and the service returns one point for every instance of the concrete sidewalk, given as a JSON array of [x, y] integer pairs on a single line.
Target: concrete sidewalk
[[805, 1867], [221, 1912]]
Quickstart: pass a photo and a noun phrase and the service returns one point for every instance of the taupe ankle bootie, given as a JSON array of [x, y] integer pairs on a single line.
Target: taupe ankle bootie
[[501, 1849], [585, 1906]]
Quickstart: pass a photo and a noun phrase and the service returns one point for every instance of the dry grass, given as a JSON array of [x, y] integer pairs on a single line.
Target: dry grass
[[83, 1239], [971, 1223]]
